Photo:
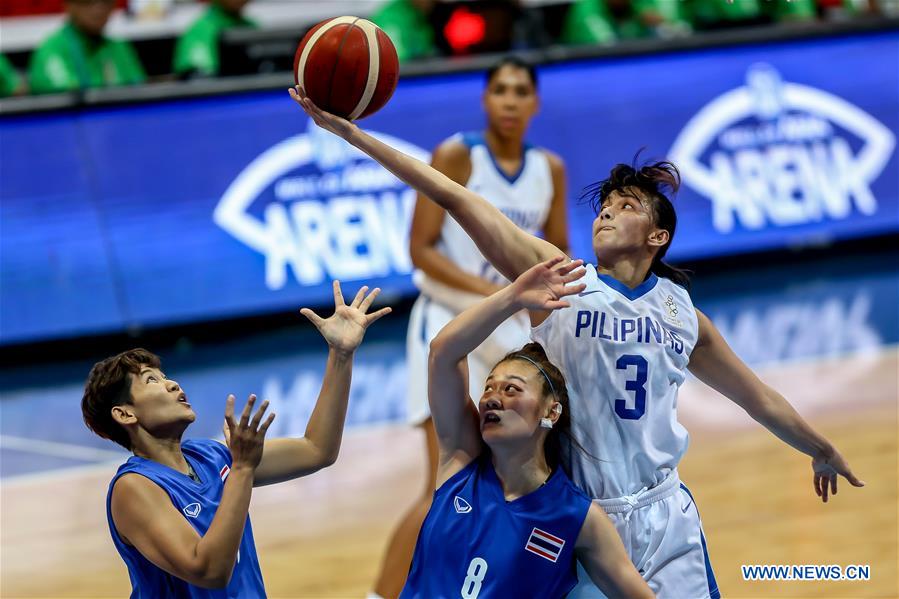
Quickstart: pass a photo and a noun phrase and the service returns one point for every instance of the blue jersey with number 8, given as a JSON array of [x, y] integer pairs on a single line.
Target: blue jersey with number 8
[[476, 545], [624, 354]]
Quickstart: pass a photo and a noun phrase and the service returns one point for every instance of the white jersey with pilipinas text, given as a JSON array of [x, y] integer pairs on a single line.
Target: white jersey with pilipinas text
[[624, 354], [524, 197]]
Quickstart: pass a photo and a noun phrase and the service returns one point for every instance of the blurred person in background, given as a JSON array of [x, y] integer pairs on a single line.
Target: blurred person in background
[[197, 50], [606, 21], [407, 24], [725, 14], [835, 10], [78, 55], [11, 82], [528, 183]]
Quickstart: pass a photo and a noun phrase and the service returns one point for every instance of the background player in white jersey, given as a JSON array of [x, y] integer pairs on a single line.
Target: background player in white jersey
[[528, 185], [630, 309]]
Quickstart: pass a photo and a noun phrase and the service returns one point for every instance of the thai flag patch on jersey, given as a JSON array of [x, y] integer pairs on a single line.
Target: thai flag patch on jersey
[[224, 472], [544, 544]]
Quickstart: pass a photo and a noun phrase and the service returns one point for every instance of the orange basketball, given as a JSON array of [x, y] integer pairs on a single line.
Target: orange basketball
[[348, 66]]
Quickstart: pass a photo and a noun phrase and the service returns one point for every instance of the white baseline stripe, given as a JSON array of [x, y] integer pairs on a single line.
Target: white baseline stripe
[[60, 450]]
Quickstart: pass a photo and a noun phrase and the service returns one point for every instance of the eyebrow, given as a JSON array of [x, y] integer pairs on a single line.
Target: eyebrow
[[147, 369], [511, 376]]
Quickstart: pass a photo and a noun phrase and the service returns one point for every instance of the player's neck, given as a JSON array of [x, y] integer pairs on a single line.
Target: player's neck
[[162, 451], [629, 270], [519, 470], [502, 147]]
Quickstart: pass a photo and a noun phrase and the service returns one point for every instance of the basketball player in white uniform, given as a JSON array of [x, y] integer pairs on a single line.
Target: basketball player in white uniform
[[528, 185], [624, 346]]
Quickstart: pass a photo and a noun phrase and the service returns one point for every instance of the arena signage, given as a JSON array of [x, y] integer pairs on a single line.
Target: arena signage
[[775, 153], [255, 210], [327, 211]]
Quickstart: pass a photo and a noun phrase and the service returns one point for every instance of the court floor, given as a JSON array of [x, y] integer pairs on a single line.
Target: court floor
[[829, 346]]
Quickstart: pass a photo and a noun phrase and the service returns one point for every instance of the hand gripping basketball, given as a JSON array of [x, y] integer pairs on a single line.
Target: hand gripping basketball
[[327, 121]]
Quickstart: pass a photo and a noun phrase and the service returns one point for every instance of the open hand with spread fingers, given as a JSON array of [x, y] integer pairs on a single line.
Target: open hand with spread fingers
[[327, 121], [345, 329], [543, 286], [246, 437], [828, 468]]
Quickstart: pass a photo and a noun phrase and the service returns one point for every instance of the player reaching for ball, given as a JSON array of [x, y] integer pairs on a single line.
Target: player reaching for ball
[[177, 510], [523, 181], [506, 521], [624, 347]]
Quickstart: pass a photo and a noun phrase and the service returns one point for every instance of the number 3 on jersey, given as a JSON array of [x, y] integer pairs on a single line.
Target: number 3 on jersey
[[471, 587], [637, 385]]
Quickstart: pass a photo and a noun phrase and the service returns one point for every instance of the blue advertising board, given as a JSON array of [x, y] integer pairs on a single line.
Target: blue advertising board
[[187, 210]]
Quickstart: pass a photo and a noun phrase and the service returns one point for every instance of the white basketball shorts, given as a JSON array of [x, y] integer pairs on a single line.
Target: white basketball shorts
[[662, 533]]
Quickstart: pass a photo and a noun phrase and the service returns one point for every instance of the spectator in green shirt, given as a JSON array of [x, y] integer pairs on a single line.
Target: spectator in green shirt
[[79, 56], [197, 50], [11, 83], [605, 21], [406, 23]]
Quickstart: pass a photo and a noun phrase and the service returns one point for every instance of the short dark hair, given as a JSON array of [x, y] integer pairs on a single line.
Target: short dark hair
[[512, 61], [653, 179], [109, 385]]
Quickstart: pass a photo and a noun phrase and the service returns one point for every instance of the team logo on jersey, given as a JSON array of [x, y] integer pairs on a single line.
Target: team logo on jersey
[[462, 506], [775, 153], [224, 472], [192, 510], [671, 312], [544, 544], [318, 208]]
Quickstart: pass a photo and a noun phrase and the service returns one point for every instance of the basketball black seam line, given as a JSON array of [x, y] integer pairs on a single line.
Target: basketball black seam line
[[337, 59]]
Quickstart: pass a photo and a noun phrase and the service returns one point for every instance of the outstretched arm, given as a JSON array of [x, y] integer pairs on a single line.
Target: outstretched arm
[[601, 552], [715, 364], [284, 459], [456, 421], [508, 248]]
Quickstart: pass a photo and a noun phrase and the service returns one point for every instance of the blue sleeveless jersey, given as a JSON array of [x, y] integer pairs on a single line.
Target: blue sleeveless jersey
[[197, 502], [475, 544]]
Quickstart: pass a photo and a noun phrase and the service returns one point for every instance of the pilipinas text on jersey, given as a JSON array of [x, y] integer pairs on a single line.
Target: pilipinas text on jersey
[[476, 545], [624, 354], [197, 502]]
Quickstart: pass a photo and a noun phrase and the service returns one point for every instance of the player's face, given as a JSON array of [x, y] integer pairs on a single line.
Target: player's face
[[512, 404], [510, 101], [624, 224], [159, 404], [90, 16]]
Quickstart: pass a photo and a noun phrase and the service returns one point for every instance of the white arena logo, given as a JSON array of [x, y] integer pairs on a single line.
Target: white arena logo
[[783, 154], [323, 210]]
